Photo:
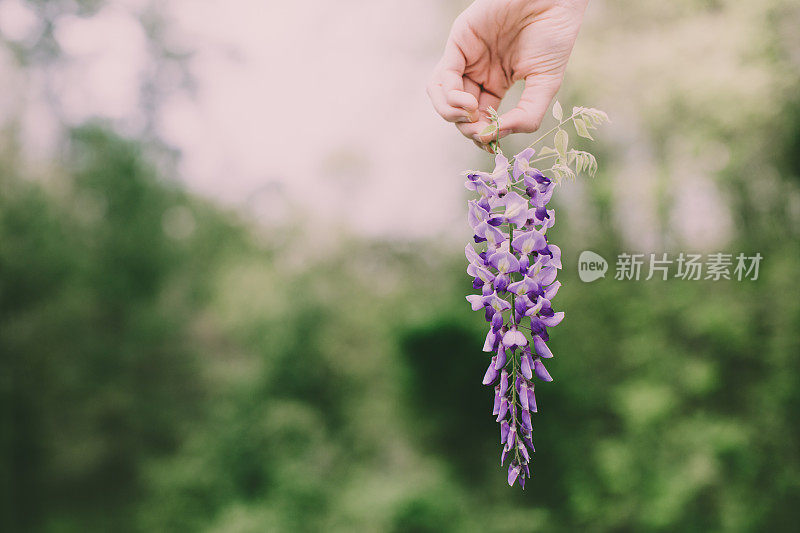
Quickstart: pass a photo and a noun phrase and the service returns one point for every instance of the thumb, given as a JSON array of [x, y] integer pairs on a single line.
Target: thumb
[[533, 104]]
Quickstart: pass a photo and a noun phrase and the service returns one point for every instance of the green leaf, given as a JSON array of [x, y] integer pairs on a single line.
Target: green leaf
[[562, 171], [561, 141], [546, 150], [595, 115], [580, 128], [571, 157], [491, 128], [558, 113], [592, 164]]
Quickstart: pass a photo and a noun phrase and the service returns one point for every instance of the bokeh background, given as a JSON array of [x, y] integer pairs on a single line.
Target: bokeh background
[[232, 275]]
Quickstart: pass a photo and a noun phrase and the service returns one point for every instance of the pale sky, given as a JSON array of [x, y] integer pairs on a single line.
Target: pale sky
[[308, 109]]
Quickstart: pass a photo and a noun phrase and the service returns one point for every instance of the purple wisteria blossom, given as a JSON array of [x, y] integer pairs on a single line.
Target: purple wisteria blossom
[[515, 272]]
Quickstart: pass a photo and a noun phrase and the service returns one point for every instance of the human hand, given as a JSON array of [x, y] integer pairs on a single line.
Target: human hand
[[495, 43]]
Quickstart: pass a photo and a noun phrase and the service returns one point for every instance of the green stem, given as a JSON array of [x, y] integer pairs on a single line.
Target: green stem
[[543, 157], [540, 139], [513, 383], [495, 144]]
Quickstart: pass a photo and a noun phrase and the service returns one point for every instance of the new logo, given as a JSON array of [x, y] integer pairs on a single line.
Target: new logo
[[591, 266]]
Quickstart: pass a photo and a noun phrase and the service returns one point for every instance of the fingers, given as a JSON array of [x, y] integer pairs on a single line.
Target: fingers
[[469, 130], [446, 89], [527, 116], [485, 100], [483, 146], [463, 100], [449, 112]]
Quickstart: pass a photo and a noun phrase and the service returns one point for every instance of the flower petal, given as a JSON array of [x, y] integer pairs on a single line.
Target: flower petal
[[521, 162], [476, 214], [504, 262], [497, 319], [541, 371], [501, 357], [472, 255], [552, 321], [529, 241], [541, 348], [523, 451], [491, 373], [555, 261], [526, 367], [523, 396], [491, 341], [476, 301], [551, 290], [496, 302], [500, 174], [532, 401], [514, 337], [547, 275], [516, 208], [503, 409]]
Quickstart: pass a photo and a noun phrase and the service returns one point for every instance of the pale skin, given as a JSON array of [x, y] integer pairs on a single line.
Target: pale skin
[[495, 43]]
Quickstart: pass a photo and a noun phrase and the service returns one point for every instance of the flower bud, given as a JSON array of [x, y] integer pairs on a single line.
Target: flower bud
[[526, 421], [501, 282], [497, 320], [525, 366], [541, 348], [523, 396], [500, 361], [513, 472], [512, 437], [503, 431], [523, 451], [503, 409], [532, 401], [491, 373], [541, 371]]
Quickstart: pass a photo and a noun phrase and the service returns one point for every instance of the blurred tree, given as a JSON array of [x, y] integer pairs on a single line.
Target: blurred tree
[[99, 366], [448, 409]]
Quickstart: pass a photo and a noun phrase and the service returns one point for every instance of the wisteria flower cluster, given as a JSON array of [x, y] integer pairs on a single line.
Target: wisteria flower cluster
[[515, 269]]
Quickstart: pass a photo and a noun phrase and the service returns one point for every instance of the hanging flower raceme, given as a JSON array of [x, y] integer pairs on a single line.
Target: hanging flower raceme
[[516, 274], [514, 267]]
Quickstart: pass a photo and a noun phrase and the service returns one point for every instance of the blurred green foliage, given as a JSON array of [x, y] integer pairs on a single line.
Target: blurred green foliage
[[164, 368]]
